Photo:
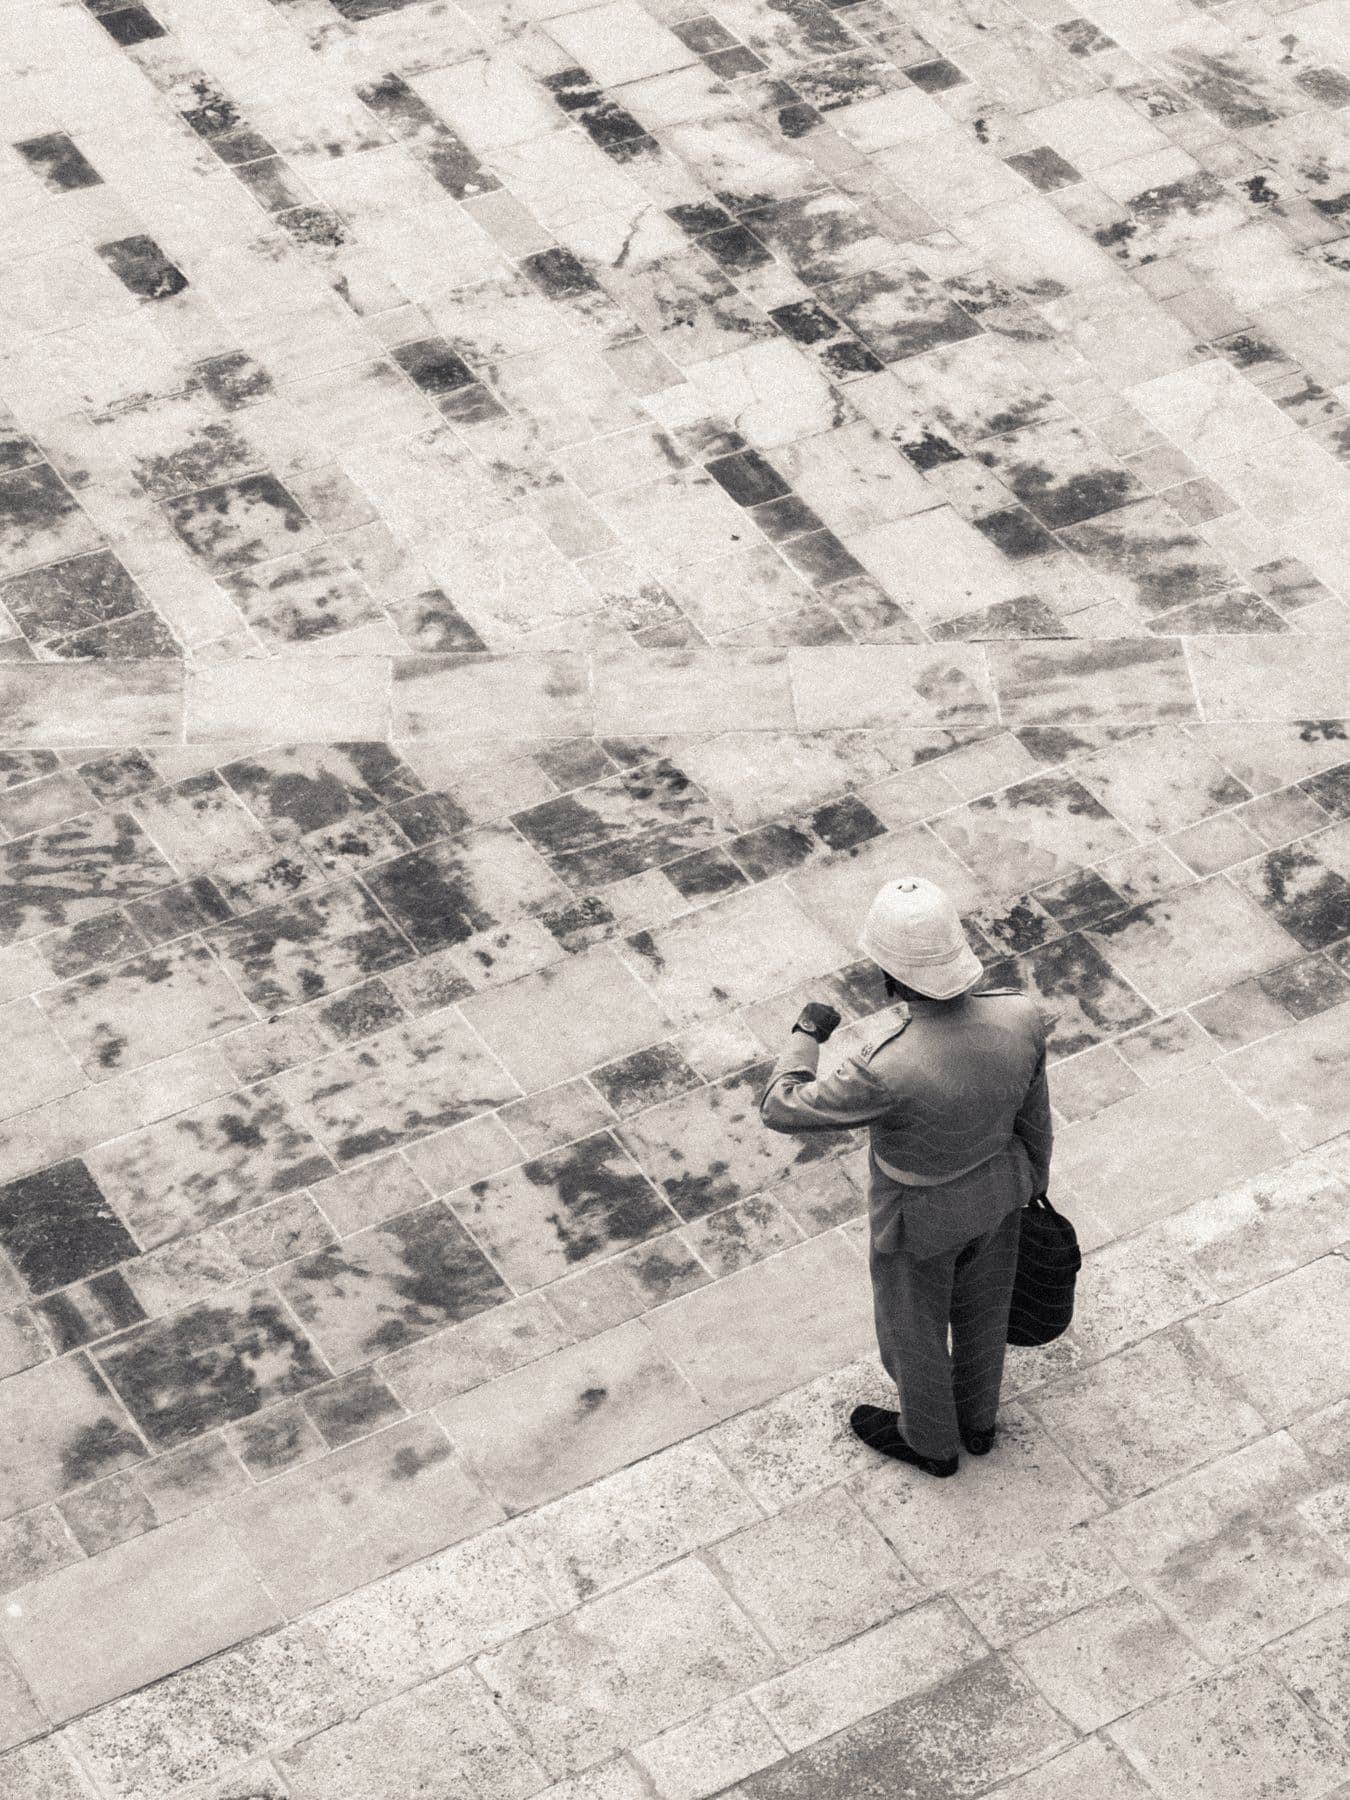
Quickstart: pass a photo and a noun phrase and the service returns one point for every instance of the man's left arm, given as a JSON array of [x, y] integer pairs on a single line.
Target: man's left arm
[[797, 1100]]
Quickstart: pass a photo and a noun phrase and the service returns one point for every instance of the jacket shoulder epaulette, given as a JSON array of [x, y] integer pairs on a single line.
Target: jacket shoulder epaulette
[[868, 1051]]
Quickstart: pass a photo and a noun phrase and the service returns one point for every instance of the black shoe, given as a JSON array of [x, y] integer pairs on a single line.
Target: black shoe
[[979, 1443], [880, 1430]]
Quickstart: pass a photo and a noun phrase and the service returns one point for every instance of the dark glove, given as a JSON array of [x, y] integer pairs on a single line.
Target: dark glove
[[817, 1020]]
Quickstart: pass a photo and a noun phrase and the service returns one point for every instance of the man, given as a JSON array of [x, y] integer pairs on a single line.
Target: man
[[956, 1100]]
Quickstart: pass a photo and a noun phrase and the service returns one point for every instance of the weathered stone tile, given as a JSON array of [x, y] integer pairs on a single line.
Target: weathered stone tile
[[440, 1735], [277, 1232], [1148, 1414], [44, 1770], [1261, 678], [709, 1148], [976, 1728], [815, 1574], [108, 1512], [1313, 1663], [711, 1335], [279, 1438], [1262, 1228], [300, 698], [72, 871], [633, 1521], [57, 1226], [91, 1309], [388, 1286], [872, 1672], [449, 891], [40, 521], [329, 1526], [703, 1755], [407, 1627], [576, 1414], [101, 1628], [194, 1477], [241, 522], [1261, 1338], [1081, 997], [567, 1018], [469, 695], [208, 1163], [1032, 833], [627, 822], [1040, 1583], [1299, 1077], [203, 1720], [146, 1008], [662, 1649], [1067, 683], [899, 684], [563, 1210], [209, 1364], [1115, 1655], [1239, 1734], [310, 945], [398, 1086]]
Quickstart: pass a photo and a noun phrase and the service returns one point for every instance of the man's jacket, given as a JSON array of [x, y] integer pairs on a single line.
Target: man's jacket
[[958, 1112]]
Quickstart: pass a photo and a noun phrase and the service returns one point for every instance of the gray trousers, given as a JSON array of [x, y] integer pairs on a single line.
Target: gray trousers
[[965, 1291]]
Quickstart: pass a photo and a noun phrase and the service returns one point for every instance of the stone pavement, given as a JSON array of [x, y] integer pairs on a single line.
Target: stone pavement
[[514, 518]]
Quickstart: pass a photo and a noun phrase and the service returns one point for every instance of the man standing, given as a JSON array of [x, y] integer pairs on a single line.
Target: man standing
[[956, 1100]]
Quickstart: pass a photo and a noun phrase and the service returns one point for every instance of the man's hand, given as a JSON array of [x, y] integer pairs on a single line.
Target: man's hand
[[817, 1019]]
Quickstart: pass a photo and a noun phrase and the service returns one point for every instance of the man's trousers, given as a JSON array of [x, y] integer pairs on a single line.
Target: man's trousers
[[967, 1291]]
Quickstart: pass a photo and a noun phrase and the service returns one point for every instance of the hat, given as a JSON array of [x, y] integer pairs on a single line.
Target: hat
[[915, 933]]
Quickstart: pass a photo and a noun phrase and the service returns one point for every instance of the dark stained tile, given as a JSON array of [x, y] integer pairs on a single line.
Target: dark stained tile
[[59, 162], [399, 1085], [619, 826], [304, 787], [156, 1003], [209, 1163], [360, 1010], [704, 875], [20, 766], [297, 599], [210, 1364], [771, 849], [748, 477], [351, 1407], [1080, 899], [143, 268], [94, 1309], [310, 945], [1082, 999], [173, 912], [105, 939], [707, 1148], [40, 521], [130, 25], [390, 1285], [562, 1211], [841, 824], [899, 311], [935, 76], [1310, 901], [60, 1427], [279, 1438], [433, 366], [119, 773], [966, 1736], [57, 1227], [1331, 790], [1044, 168], [450, 890], [432, 622], [1059, 472], [644, 1078], [240, 522], [233, 379], [1308, 986], [1145, 553]]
